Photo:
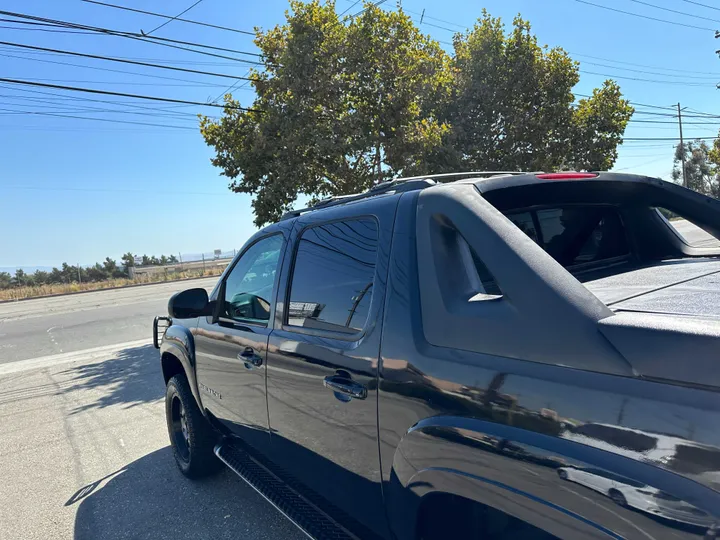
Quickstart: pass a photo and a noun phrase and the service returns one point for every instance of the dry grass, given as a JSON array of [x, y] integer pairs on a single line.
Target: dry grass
[[17, 293]]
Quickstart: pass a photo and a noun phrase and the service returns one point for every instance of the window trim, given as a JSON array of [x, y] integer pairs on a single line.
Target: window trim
[[217, 319], [342, 336]]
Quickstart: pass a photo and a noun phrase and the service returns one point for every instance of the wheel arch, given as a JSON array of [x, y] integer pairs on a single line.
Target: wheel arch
[[473, 459], [177, 355]]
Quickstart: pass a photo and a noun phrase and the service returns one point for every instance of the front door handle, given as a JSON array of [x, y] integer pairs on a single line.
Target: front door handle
[[345, 387], [249, 356]]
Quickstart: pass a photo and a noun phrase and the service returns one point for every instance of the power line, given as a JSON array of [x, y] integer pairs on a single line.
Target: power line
[[183, 12], [355, 3], [655, 81], [674, 11], [667, 138], [61, 97], [104, 190], [683, 76], [165, 42], [644, 65], [101, 119], [122, 94], [703, 5], [672, 108], [111, 59], [125, 8], [101, 68], [644, 16]]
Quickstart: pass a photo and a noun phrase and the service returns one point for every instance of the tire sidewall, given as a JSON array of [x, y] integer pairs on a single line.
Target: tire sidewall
[[171, 393]]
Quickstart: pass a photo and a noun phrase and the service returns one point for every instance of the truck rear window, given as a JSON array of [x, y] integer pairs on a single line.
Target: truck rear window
[[575, 235]]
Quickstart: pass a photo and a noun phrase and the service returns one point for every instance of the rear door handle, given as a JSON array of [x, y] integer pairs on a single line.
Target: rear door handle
[[345, 387], [249, 356]]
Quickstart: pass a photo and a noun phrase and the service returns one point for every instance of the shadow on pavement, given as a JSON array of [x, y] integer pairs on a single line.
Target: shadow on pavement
[[149, 498], [132, 377]]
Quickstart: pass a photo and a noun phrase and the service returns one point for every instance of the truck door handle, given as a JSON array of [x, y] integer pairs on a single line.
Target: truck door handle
[[345, 387], [250, 357]]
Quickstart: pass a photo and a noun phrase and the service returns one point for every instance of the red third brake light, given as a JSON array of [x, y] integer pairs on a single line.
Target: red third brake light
[[566, 175]]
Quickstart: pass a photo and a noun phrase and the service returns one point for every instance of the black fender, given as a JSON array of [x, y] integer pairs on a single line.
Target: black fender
[[515, 471], [179, 342]]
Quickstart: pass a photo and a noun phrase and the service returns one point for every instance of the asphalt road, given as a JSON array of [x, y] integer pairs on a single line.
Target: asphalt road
[[84, 451], [62, 324]]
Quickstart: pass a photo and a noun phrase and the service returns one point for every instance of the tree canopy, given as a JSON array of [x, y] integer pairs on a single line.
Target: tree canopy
[[702, 167], [344, 103]]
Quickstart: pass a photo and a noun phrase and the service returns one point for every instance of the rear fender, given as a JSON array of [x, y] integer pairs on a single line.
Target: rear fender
[[179, 342], [514, 471]]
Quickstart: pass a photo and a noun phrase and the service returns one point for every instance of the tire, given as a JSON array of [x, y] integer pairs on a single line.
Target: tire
[[617, 497], [192, 439], [562, 474]]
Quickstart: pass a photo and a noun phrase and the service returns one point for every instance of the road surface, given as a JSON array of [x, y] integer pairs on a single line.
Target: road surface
[[61, 324], [84, 451]]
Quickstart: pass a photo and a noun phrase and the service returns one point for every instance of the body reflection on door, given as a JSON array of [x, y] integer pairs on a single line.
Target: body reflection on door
[[322, 367]]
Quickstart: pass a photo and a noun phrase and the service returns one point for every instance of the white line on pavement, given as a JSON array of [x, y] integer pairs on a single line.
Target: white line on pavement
[[54, 359]]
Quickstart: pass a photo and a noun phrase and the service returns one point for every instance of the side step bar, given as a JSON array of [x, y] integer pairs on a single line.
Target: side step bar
[[308, 517]]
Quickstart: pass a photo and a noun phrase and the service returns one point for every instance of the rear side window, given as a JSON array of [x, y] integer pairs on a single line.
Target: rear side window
[[691, 234], [333, 276], [576, 235]]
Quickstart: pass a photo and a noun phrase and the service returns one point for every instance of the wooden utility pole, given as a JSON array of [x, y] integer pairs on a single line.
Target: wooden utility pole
[[682, 145]]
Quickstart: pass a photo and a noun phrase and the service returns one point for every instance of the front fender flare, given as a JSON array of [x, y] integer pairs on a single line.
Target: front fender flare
[[179, 342]]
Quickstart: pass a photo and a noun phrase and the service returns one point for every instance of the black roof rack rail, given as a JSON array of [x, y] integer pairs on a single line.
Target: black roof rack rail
[[409, 183]]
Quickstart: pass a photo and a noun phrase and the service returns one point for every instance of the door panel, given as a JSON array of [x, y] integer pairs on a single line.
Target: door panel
[[322, 359], [231, 346]]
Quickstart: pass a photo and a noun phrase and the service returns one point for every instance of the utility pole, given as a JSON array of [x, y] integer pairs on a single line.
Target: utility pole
[[79, 280], [682, 145]]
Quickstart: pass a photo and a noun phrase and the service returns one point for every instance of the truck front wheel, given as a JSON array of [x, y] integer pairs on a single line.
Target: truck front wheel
[[191, 437]]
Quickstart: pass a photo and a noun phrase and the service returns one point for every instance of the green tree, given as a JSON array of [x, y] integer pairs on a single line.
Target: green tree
[[128, 260], [97, 273], [598, 125], [163, 260], [512, 106], [343, 105], [40, 277], [21, 279], [172, 259], [56, 276], [701, 167], [5, 280]]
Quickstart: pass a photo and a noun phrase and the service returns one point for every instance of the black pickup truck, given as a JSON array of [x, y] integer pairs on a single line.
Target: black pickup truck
[[480, 355]]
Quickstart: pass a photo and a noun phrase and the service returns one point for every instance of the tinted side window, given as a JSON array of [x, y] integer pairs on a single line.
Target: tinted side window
[[333, 276], [579, 235], [693, 235], [249, 286], [524, 222]]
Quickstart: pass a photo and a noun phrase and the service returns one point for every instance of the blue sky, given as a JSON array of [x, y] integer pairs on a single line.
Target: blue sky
[[79, 190]]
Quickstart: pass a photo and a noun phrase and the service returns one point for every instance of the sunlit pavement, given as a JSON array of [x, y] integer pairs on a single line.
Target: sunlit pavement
[[85, 456]]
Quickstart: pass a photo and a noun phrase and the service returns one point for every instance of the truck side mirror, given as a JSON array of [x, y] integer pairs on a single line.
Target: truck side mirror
[[188, 304]]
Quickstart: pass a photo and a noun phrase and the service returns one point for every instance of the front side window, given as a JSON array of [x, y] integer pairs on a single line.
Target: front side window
[[333, 276], [249, 286]]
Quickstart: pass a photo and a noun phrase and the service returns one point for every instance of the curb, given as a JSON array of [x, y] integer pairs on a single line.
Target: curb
[[104, 289]]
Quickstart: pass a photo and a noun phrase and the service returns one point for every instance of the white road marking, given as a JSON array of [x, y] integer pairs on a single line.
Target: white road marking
[[122, 443], [63, 358]]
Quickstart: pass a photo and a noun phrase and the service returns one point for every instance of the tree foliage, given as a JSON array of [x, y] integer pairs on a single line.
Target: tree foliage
[[342, 104], [108, 269], [702, 167]]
